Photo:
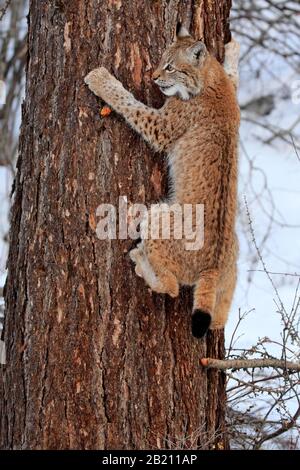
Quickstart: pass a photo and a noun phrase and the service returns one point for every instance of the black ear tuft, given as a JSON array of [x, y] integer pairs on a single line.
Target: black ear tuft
[[178, 27], [181, 31], [196, 50], [197, 54]]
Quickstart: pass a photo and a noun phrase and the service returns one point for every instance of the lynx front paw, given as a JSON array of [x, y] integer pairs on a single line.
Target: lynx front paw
[[98, 81], [232, 51], [231, 63]]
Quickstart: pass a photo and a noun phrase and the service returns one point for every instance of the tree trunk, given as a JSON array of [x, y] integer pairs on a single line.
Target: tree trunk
[[95, 360]]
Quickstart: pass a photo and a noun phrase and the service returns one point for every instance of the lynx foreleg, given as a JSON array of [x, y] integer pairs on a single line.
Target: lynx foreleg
[[148, 122], [231, 62]]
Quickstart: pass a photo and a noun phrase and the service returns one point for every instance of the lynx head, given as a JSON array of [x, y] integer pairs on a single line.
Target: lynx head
[[179, 71]]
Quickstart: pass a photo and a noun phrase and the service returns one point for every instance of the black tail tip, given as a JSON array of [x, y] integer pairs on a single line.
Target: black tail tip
[[201, 320]]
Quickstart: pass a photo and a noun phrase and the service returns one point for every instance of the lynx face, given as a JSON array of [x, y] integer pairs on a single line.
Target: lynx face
[[179, 71]]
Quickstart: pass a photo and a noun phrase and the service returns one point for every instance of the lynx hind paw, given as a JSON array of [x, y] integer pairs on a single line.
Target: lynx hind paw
[[138, 270], [135, 256], [136, 253]]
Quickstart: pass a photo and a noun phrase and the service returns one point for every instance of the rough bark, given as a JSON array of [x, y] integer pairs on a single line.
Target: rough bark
[[94, 359]]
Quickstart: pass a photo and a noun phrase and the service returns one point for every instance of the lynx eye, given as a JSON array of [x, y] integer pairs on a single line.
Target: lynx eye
[[169, 68]]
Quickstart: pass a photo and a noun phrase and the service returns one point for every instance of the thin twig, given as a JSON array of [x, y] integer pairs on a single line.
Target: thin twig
[[3, 10], [260, 256], [271, 272], [284, 428], [295, 148]]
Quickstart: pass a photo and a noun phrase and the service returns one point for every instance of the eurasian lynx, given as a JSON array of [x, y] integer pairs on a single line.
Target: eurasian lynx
[[198, 130]]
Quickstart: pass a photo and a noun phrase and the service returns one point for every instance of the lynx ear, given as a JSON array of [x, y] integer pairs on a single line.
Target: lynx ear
[[182, 32], [196, 50]]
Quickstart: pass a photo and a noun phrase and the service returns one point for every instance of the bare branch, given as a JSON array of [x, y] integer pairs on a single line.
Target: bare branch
[[210, 363]]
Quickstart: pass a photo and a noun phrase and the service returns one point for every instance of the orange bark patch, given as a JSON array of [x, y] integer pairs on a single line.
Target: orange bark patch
[[156, 179], [118, 57], [136, 64], [92, 222], [81, 289], [105, 111]]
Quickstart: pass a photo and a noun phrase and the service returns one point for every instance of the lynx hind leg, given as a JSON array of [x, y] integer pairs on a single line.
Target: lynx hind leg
[[158, 249], [224, 299], [231, 61], [204, 302]]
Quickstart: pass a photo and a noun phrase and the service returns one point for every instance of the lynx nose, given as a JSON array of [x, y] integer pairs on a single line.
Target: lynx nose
[[155, 75]]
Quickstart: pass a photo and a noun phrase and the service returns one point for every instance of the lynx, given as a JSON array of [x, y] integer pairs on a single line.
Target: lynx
[[197, 128]]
